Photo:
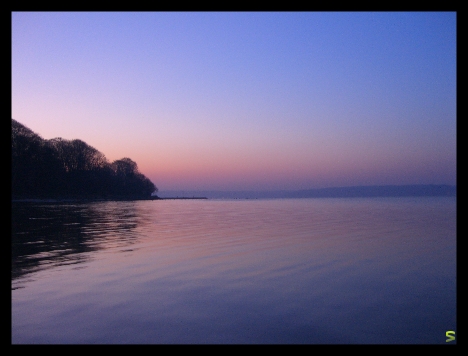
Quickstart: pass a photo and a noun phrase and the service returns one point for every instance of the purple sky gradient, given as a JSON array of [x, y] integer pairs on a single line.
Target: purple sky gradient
[[246, 101]]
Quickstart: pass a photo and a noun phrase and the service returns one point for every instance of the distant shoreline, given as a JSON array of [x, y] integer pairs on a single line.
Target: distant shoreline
[[334, 192], [431, 190]]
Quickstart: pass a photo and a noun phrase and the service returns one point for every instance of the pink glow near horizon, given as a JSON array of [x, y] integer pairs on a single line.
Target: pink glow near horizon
[[246, 101]]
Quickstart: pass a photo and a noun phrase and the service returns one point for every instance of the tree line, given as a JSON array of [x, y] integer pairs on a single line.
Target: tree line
[[59, 168]]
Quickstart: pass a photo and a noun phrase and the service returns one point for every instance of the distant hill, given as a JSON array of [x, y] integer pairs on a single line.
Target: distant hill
[[377, 191], [336, 192]]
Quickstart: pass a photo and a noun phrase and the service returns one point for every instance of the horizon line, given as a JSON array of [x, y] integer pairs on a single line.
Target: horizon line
[[307, 189]]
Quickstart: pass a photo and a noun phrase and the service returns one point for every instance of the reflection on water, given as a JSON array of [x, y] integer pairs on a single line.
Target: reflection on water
[[267, 271], [48, 235]]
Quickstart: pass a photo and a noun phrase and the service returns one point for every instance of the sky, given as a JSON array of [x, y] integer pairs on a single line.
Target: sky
[[246, 100]]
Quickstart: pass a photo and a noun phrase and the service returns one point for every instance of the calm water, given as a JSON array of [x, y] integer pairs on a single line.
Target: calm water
[[314, 271]]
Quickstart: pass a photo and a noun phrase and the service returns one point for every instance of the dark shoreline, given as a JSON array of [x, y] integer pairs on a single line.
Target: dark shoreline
[[336, 192], [88, 200], [182, 198]]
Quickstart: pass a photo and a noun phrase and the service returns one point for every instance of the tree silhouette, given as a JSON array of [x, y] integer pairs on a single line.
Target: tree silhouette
[[129, 180], [70, 168]]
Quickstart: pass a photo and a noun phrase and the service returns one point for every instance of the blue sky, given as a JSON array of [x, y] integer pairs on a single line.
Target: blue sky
[[246, 100]]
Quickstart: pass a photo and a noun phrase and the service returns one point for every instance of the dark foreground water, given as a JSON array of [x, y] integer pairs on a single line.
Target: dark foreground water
[[313, 271]]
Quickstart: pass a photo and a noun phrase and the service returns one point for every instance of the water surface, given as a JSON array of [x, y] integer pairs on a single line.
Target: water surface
[[310, 271]]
